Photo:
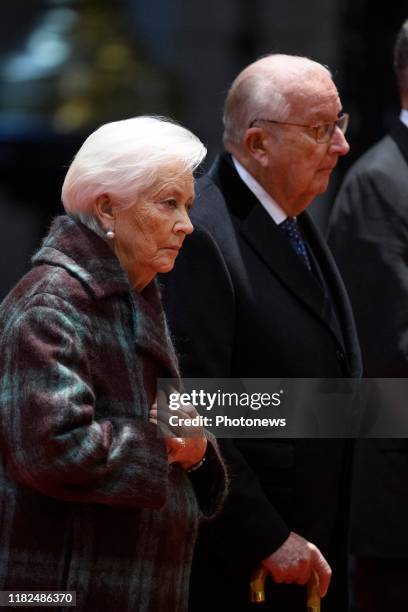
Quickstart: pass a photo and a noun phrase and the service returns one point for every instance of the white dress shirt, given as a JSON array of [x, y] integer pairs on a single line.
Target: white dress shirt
[[403, 117], [272, 208]]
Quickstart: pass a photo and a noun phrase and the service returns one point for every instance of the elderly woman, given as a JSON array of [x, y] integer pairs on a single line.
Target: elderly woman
[[92, 499]]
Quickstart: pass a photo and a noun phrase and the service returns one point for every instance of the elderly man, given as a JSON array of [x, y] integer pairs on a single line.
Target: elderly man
[[256, 294]]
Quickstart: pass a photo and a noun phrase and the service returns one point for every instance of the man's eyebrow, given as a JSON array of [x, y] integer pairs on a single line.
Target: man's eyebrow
[[339, 114]]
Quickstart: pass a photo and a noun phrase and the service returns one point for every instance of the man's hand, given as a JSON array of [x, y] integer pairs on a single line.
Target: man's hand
[[185, 445], [294, 562]]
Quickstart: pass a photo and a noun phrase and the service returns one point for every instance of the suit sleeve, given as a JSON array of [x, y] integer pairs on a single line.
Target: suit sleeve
[[49, 432], [200, 305], [368, 235]]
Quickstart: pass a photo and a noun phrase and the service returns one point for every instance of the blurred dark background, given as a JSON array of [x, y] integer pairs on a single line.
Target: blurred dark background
[[66, 66]]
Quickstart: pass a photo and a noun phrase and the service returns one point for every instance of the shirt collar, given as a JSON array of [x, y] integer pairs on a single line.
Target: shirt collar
[[269, 204], [404, 116]]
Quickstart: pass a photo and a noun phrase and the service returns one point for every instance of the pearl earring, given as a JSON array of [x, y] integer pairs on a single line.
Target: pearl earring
[[110, 234]]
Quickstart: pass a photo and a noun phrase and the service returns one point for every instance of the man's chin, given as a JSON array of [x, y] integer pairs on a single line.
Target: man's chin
[[323, 182], [166, 267]]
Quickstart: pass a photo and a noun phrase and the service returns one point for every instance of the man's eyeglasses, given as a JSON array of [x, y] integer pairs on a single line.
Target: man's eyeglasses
[[322, 133]]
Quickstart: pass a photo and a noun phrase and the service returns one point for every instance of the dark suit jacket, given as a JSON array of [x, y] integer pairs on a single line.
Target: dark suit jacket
[[242, 304], [368, 233]]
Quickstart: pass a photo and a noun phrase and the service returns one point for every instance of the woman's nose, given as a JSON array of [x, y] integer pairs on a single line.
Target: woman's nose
[[184, 223]]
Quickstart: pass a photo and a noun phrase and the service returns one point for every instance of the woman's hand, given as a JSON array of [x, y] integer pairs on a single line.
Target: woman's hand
[[185, 444]]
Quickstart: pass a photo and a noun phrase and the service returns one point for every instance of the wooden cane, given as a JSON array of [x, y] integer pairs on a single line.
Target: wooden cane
[[257, 585], [313, 597], [257, 589]]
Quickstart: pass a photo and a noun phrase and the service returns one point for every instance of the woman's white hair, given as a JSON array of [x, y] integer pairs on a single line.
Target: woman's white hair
[[123, 160]]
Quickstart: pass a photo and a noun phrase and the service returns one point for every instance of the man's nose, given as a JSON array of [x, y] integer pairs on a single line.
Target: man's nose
[[338, 143]]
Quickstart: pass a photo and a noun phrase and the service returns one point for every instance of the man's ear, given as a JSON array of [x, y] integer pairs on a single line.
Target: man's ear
[[104, 212], [255, 145]]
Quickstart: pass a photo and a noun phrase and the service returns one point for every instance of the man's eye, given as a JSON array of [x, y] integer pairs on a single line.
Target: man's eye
[[324, 132]]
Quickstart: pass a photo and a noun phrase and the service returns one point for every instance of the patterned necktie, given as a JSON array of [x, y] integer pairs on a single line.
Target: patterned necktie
[[296, 240]]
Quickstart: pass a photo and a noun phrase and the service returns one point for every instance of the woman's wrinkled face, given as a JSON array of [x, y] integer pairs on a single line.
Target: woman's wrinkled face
[[149, 234]]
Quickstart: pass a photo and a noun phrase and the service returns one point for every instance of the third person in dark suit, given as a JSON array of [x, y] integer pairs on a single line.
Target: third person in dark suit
[[368, 233]]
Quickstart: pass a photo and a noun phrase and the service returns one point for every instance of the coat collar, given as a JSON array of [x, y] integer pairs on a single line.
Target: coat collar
[[87, 257], [272, 246]]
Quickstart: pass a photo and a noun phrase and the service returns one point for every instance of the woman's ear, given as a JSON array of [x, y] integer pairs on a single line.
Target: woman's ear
[[255, 142], [104, 212]]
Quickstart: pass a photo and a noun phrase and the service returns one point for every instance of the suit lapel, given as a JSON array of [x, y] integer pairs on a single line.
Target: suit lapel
[[347, 332], [399, 133], [272, 246]]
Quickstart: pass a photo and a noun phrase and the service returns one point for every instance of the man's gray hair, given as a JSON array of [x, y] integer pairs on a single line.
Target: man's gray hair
[[251, 97], [401, 57], [123, 160], [263, 90]]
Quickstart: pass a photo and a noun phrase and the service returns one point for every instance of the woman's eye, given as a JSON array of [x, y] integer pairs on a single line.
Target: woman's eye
[[170, 203]]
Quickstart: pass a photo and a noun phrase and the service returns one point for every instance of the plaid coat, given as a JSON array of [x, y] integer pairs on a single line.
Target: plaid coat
[[88, 501]]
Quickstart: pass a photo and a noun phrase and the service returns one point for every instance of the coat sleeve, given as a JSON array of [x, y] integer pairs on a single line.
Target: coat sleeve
[[200, 304], [49, 432], [210, 481]]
